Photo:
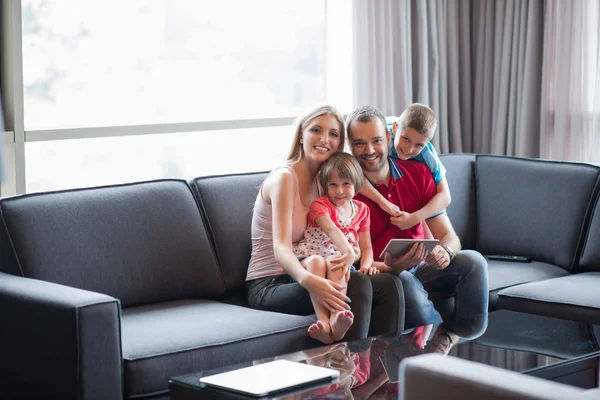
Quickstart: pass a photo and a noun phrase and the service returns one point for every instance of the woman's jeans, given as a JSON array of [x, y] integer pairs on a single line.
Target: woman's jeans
[[377, 301], [465, 278]]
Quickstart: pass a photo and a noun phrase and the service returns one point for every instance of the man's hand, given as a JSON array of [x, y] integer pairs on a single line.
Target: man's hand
[[438, 258], [414, 256], [405, 220]]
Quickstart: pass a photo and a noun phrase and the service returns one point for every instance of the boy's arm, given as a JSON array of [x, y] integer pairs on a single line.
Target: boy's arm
[[372, 194], [366, 249], [339, 240], [438, 203]]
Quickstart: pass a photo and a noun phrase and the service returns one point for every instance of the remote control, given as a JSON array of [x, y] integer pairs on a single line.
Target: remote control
[[500, 257]]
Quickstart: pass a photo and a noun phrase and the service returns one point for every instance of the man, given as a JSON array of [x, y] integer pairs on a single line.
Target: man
[[445, 269]]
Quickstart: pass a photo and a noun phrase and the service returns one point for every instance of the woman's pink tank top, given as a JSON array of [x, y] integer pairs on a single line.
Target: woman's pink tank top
[[262, 259]]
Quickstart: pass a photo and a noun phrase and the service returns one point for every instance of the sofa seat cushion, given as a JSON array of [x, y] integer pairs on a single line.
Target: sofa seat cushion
[[575, 297], [178, 337], [504, 274]]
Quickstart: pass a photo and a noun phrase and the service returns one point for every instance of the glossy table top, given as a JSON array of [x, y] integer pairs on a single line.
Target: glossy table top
[[514, 341]]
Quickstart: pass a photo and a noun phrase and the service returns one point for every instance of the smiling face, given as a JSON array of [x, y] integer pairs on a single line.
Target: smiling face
[[321, 137], [340, 190], [409, 143], [369, 143]]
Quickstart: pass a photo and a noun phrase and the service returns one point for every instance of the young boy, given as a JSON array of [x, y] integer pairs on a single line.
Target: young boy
[[411, 138]]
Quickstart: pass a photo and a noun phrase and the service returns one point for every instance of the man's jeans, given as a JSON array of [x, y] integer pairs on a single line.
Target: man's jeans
[[465, 278]]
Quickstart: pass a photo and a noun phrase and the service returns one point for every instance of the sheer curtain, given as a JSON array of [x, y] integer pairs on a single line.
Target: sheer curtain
[[478, 64], [571, 81]]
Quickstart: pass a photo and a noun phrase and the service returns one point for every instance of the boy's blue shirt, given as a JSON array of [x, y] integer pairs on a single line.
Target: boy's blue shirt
[[427, 156]]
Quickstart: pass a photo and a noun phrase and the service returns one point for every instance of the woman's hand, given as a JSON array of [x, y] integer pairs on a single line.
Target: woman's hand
[[344, 261], [326, 293]]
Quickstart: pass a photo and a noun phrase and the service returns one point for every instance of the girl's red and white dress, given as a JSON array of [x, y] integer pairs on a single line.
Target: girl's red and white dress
[[316, 242]]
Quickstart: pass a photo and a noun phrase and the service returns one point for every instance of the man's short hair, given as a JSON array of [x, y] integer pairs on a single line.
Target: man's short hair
[[420, 118], [364, 114]]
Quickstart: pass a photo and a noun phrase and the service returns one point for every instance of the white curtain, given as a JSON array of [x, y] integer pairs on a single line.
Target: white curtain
[[477, 64], [570, 112]]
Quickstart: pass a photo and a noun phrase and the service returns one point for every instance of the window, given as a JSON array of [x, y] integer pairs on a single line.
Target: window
[[110, 64]]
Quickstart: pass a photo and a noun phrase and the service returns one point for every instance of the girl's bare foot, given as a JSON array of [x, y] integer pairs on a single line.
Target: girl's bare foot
[[321, 332], [340, 322]]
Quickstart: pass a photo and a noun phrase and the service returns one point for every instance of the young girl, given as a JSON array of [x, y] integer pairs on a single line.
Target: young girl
[[411, 139], [337, 231]]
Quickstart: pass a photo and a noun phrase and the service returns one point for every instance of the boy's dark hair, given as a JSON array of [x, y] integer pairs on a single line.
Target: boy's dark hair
[[420, 118], [346, 166]]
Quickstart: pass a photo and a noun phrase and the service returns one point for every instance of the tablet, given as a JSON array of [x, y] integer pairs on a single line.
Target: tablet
[[397, 247], [270, 378]]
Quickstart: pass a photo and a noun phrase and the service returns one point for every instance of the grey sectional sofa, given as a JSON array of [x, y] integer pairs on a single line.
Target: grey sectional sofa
[[107, 292], [545, 210]]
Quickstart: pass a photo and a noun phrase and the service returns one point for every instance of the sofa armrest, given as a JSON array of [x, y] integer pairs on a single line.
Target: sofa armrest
[[58, 342], [434, 376]]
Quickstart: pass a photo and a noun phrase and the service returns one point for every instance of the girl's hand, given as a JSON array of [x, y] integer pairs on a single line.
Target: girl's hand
[[404, 220], [389, 207], [369, 270], [326, 293]]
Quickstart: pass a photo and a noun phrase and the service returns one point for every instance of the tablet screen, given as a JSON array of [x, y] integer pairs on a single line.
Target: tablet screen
[[398, 247]]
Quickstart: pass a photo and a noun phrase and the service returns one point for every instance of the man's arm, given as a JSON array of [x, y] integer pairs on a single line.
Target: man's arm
[[441, 229]]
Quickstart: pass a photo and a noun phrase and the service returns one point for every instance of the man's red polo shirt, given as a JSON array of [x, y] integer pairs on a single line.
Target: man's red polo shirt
[[411, 187]]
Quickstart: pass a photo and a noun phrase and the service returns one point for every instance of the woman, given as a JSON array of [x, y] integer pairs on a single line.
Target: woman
[[276, 280]]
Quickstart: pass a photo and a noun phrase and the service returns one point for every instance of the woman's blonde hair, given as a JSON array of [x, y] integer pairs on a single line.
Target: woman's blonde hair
[[346, 166], [296, 152]]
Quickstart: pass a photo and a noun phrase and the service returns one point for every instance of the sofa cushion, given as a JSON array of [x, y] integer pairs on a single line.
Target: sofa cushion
[[462, 210], [141, 243], [175, 338], [504, 274], [230, 198], [590, 258], [532, 207], [575, 297]]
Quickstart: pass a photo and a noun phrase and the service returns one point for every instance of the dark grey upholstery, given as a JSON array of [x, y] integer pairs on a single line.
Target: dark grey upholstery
[[462, 210], [574, 297], [590, 258], [141, 243], [58, 342], [230, 225], [174, 338], [532, 207]]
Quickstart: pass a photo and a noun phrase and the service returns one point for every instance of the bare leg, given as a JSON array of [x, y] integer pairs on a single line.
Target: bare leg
[[340, 320], [320, 330]]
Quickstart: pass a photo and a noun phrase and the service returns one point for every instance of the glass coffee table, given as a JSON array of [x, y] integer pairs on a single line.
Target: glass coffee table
[[549, 348]]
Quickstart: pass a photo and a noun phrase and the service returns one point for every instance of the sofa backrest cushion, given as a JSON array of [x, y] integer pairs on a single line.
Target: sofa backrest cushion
[[531, 207], [590, 257], [227, 203], [141, 243], [463, 208]]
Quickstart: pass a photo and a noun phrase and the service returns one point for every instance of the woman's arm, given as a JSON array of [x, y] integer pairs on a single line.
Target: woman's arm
[[438, 203], [279, 190]]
